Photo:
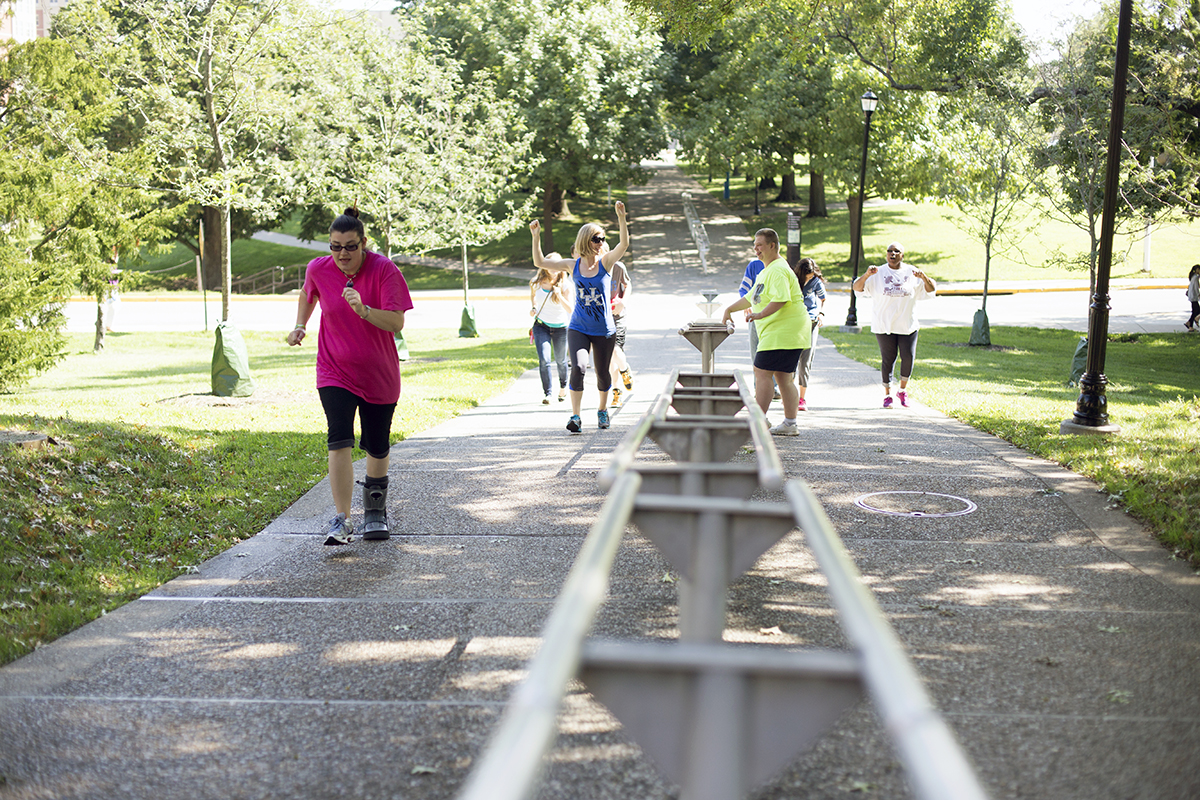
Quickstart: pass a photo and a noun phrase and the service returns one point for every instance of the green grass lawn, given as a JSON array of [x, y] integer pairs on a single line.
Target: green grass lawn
[[1017, 390], [148, 474], [934, 239]]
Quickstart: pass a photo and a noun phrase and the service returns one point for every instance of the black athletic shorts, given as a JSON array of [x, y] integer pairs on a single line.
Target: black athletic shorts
[[777, 360], [376, 421]]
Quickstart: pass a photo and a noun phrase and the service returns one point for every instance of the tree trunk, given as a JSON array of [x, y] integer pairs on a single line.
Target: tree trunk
[[787, 191], [550, 191], [98, 344], [557, 197], [210, 250], [816, 195], [220, 167], [226, 263], [767, 182]]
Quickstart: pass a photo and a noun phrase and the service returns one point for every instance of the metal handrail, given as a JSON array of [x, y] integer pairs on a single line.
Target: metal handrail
[[511, 763], [696, 228], [239, 284], [770, 466], [626, 451], [933, 760]]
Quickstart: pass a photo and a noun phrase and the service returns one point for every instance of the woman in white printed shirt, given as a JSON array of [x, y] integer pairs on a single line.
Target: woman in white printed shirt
[[894, 289]]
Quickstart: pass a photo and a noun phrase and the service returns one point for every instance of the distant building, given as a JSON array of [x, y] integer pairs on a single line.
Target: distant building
[[46, 9], [18, 20]]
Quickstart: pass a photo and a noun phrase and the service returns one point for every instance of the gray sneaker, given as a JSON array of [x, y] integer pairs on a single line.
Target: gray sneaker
[[786, 428], [340, 531]]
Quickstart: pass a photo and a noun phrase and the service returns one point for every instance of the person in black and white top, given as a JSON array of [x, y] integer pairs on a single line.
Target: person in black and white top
[[894, 289]]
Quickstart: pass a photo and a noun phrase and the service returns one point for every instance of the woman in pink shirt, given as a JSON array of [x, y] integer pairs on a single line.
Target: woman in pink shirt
[[363, 298]]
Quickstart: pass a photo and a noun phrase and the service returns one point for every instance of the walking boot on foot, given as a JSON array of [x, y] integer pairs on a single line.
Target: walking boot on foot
[[375, 524]]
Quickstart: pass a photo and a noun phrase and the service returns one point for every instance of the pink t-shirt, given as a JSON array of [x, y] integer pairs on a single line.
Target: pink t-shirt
[[351, 352]]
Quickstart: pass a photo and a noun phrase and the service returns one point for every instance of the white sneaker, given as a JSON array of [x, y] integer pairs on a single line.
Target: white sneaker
[[340, 531], [786, 428]]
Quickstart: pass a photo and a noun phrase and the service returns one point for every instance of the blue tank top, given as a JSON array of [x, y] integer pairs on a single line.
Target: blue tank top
[[593, 312]]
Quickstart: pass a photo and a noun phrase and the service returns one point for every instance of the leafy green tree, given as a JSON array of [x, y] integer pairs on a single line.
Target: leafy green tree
[[752, 100], [1163, 102], [912, 45], [1159, 159], [427, 156], [699, 109], [788, 77], [586, 77], [993, 185], [943, 46], [66, 204], [208, 86]]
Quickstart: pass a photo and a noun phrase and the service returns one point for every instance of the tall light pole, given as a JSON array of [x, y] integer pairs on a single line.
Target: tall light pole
[[1091, 410], [869, 101]]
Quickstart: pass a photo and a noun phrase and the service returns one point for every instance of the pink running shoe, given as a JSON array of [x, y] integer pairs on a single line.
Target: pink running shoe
[[803, 405], [903, 395], [887, 401]]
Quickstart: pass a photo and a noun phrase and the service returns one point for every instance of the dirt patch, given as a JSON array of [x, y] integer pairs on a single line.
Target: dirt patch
[[261, 397], [995, 347]]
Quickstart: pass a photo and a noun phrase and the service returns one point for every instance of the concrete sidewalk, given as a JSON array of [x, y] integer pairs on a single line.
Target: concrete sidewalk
[[1059, 639]]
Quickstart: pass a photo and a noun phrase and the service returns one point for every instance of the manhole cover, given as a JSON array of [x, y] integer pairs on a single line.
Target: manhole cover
[[916, 504]]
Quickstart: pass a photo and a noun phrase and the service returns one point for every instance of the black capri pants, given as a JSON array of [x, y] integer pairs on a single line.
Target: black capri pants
[[602, 350], [893, 344], [375, 419]]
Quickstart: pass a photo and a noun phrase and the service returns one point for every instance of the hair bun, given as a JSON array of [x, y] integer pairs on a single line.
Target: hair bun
[[352, 211]]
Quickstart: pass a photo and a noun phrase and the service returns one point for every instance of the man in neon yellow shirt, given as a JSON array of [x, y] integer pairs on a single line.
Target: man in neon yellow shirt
[[776, 306]]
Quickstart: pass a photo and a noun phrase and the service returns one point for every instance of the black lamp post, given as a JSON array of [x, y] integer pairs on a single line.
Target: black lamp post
[[1091, 410], [869, 101]]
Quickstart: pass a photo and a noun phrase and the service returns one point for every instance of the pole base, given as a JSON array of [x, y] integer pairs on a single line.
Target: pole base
[[1070, 426]]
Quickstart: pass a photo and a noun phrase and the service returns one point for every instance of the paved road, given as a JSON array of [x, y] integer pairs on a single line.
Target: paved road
[[1132, 310], [1056, 636]]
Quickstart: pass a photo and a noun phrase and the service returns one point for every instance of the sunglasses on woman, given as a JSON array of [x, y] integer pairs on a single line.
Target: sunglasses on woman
[[598, 239], [349, 248]]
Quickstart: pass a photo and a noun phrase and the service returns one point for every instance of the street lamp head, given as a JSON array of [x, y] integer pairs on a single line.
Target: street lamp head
[[869, 101]]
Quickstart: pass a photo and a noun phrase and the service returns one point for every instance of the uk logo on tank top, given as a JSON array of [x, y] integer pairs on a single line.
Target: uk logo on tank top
[[592, 302], [591, 296]]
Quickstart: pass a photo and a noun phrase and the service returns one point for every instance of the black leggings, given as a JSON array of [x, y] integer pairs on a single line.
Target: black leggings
[[602, 350], [891, 344]]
